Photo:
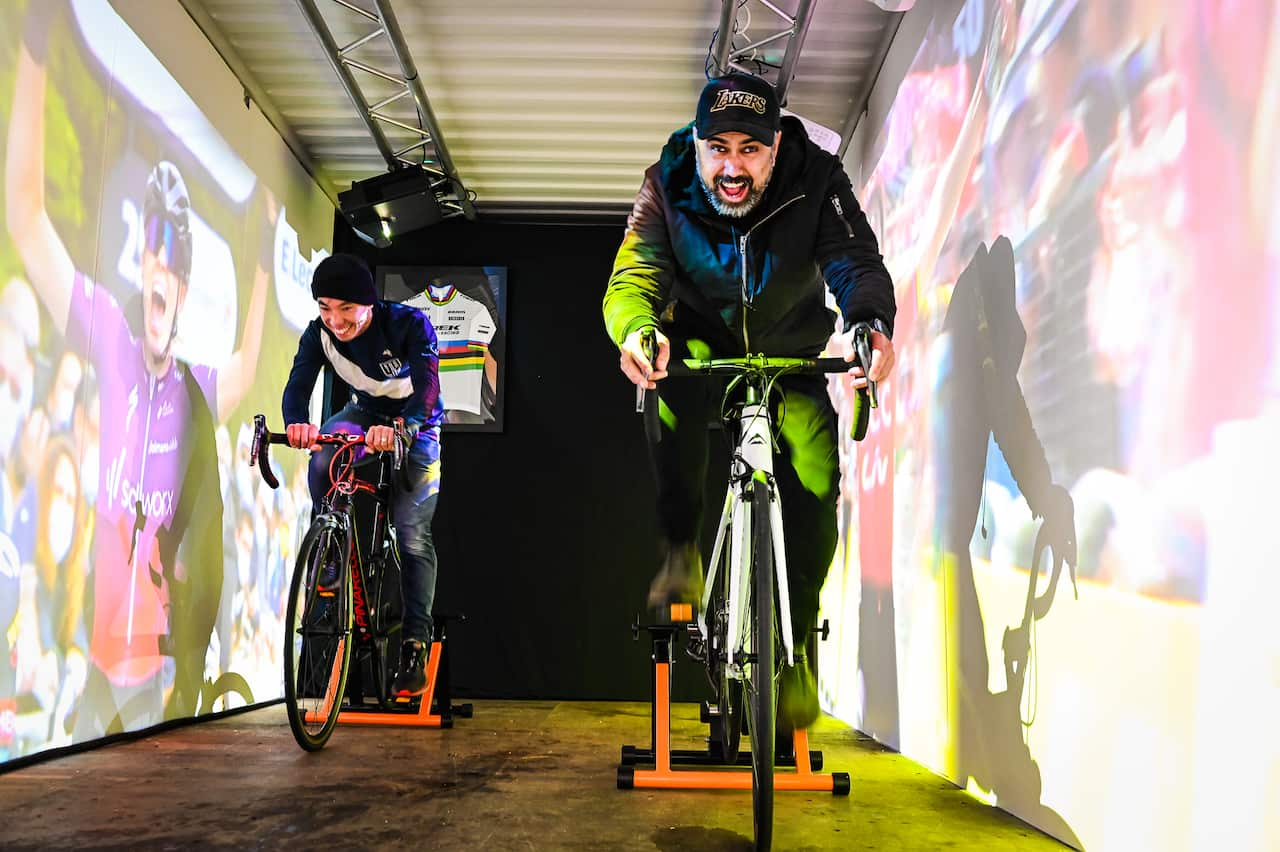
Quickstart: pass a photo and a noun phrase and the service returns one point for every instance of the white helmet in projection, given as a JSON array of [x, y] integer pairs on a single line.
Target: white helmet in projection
[[166, 220]]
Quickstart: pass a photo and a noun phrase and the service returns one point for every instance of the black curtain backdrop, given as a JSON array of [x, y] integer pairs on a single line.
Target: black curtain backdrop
[[545, 532]]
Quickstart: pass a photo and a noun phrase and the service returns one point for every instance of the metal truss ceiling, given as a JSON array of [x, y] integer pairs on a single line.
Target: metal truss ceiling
[[554, 106]]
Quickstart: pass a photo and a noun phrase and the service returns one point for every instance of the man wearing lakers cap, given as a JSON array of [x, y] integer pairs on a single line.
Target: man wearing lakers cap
[[735, 233]]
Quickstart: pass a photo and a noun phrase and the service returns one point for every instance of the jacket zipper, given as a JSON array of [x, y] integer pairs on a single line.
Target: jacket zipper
[[742, 250], [835, 202]]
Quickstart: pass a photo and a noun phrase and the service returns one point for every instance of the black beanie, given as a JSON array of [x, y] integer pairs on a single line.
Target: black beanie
[[343, 277]]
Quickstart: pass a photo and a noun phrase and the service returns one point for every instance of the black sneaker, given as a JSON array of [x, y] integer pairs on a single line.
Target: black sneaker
[[412, 679], [680, 578], [797, 697]]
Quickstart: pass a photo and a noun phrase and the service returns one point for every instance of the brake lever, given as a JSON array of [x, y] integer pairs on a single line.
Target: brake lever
[[397, 457], [647, 400], [259, 451], [649, 346], [862, 347]]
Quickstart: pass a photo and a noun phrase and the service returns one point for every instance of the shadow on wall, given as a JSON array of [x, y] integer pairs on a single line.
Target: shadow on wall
[[979, 398]]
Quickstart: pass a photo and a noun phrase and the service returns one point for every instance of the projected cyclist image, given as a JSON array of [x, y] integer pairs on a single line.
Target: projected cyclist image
[[157, 518], [1081, 236], [980, 400]]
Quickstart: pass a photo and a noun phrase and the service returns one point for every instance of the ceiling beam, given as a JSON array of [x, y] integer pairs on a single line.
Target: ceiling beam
[[725, 57], [858, 106], [254, 91], [427, 114], [799, 29], [451, 193], [334, 54], [724, 38]]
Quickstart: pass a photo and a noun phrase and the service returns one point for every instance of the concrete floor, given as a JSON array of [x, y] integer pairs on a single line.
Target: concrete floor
[[519, 775]]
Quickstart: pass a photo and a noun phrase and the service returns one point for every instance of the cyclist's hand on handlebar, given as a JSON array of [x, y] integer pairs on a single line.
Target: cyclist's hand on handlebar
[[380, 438], [882, 357], [636, 365], [302, 436]]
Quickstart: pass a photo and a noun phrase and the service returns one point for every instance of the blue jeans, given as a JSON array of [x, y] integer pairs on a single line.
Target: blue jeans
[[413, 506]]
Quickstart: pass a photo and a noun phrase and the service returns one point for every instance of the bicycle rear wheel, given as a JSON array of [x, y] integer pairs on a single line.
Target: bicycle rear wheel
[[761, 685], [317, 651]]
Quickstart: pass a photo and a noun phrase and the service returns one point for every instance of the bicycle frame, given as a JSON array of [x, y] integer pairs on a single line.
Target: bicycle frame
[[752, 461], [338, 507]]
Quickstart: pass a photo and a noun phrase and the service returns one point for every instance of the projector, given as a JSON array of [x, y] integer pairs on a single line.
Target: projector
[[388, 205]]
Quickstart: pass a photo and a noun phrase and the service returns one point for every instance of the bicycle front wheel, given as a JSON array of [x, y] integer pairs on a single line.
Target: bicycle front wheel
[[761, 685], [317, 652], [726, 726], [386, 656]]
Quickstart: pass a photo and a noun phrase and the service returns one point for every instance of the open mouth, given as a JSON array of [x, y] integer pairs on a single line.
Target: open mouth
[[156, 306], [735, 189]]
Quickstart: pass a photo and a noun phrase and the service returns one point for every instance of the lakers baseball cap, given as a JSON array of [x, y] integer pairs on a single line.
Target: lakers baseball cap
[[741, 103]]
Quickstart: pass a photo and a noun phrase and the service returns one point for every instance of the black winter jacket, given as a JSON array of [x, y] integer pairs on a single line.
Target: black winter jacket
[[753, 284]]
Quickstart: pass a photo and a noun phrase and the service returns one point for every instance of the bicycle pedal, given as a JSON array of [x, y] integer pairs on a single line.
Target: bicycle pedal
[[696, 649]]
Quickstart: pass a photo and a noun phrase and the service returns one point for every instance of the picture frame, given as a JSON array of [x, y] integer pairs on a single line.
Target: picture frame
[[467, 308]]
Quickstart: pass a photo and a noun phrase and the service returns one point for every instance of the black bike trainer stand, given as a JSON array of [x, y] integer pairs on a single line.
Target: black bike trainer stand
[[660, 760]]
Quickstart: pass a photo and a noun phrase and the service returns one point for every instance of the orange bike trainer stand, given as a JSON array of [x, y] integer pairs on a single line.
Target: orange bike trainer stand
[[422, 717], [663, 757]]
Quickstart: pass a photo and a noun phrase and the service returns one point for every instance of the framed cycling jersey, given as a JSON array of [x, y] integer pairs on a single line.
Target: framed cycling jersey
[[467, 308]]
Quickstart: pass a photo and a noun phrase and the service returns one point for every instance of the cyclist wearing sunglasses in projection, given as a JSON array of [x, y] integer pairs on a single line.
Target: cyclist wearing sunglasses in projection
[[157, 545]]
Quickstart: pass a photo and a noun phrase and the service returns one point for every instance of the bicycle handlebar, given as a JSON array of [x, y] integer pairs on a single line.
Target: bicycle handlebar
[[263, 438], [766, 364]]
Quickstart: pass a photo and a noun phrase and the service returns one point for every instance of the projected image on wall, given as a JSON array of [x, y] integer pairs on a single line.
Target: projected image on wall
[[141, 569], [1056, 570]]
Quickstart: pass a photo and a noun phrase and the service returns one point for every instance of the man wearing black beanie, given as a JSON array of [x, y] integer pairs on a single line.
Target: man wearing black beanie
[[387, 353], [343, 277]]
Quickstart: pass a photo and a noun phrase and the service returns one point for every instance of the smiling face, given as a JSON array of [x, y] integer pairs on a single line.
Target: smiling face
[[347, 320], [734, 170]]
